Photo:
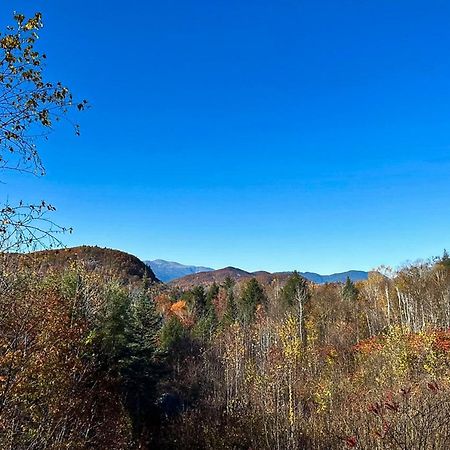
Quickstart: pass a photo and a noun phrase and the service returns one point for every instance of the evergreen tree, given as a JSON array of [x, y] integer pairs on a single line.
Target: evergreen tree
[[445, 259], [140, 368], [112, 329], [294, 297], [128, 347], [172, 334], [206, 325], [295, 291], [252, 296], [213, 292], [230, 314], [197, 300], [228, 283], [207, 321], [350, 291]]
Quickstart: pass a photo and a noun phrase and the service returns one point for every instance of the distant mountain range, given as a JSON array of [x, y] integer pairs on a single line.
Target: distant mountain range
[[129, 270], [169, 270], [354, 275], [265, 278], [183, 275]]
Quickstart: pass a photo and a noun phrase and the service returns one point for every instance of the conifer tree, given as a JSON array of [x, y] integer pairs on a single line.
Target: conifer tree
[[139, 368], [294, 296], [252, 296], [197, 299], [350, 291], [230, 314], [445, 259]]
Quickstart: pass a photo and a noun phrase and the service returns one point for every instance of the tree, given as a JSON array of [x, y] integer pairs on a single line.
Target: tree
[[230, 314], [230, 311], [252, 296], [172, 334], [213, 292], [197, 300], [350, 291], [445, 259], [228, 283], [53, 391], [296, 289], [29, 107], [139, 371], [294, 295]]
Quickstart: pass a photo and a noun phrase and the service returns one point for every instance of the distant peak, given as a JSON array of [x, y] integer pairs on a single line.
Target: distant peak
[[170, 270]]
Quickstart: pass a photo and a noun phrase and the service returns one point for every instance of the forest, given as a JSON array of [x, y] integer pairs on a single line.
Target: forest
[[87, 361]]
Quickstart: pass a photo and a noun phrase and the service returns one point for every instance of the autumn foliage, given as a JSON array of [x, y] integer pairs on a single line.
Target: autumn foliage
[[88, 361]]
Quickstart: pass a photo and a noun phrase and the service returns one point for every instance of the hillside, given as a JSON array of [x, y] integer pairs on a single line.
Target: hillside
[[218, 276], [170, 270], [112, 263], [208, 278]]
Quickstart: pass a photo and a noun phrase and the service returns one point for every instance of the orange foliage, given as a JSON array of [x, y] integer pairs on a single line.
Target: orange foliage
[[327, 351], [368, 345], [180, 310], [415, 342], [178, 307], [163, 303], [442, 341]]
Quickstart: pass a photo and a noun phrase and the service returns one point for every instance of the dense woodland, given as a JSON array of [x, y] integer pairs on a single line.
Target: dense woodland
[[87, 361]]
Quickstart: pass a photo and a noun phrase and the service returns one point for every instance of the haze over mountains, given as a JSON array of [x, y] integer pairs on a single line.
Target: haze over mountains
[[169, 271]]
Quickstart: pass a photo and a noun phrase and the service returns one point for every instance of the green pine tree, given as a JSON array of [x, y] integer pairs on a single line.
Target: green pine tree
[[197, 301], [350, 291], [230, 314], [295, 290], [252, 296]]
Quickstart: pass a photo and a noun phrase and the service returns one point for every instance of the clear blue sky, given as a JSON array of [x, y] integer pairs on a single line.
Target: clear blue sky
[[263, 134]]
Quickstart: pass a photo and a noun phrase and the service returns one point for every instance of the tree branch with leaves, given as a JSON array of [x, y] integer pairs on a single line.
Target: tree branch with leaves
[[29, 107]]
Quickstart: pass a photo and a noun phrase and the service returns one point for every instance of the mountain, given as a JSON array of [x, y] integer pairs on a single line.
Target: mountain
[[126, 268], [169, 270], [219, 276], [207, 278], [354, 275]]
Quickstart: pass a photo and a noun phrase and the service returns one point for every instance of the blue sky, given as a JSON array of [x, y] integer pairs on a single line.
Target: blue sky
[[262, 134]]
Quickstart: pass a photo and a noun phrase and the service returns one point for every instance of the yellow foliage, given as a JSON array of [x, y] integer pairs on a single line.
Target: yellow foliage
[[290, 339]]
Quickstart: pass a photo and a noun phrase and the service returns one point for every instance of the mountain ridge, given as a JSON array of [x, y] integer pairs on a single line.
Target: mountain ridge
[[218, 276], [167, 271]]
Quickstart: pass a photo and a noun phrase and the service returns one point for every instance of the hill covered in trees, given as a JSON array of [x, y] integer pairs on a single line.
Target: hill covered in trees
[[115, 264]]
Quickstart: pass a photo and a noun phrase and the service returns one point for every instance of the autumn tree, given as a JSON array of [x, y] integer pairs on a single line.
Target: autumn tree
[[30, 105]]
